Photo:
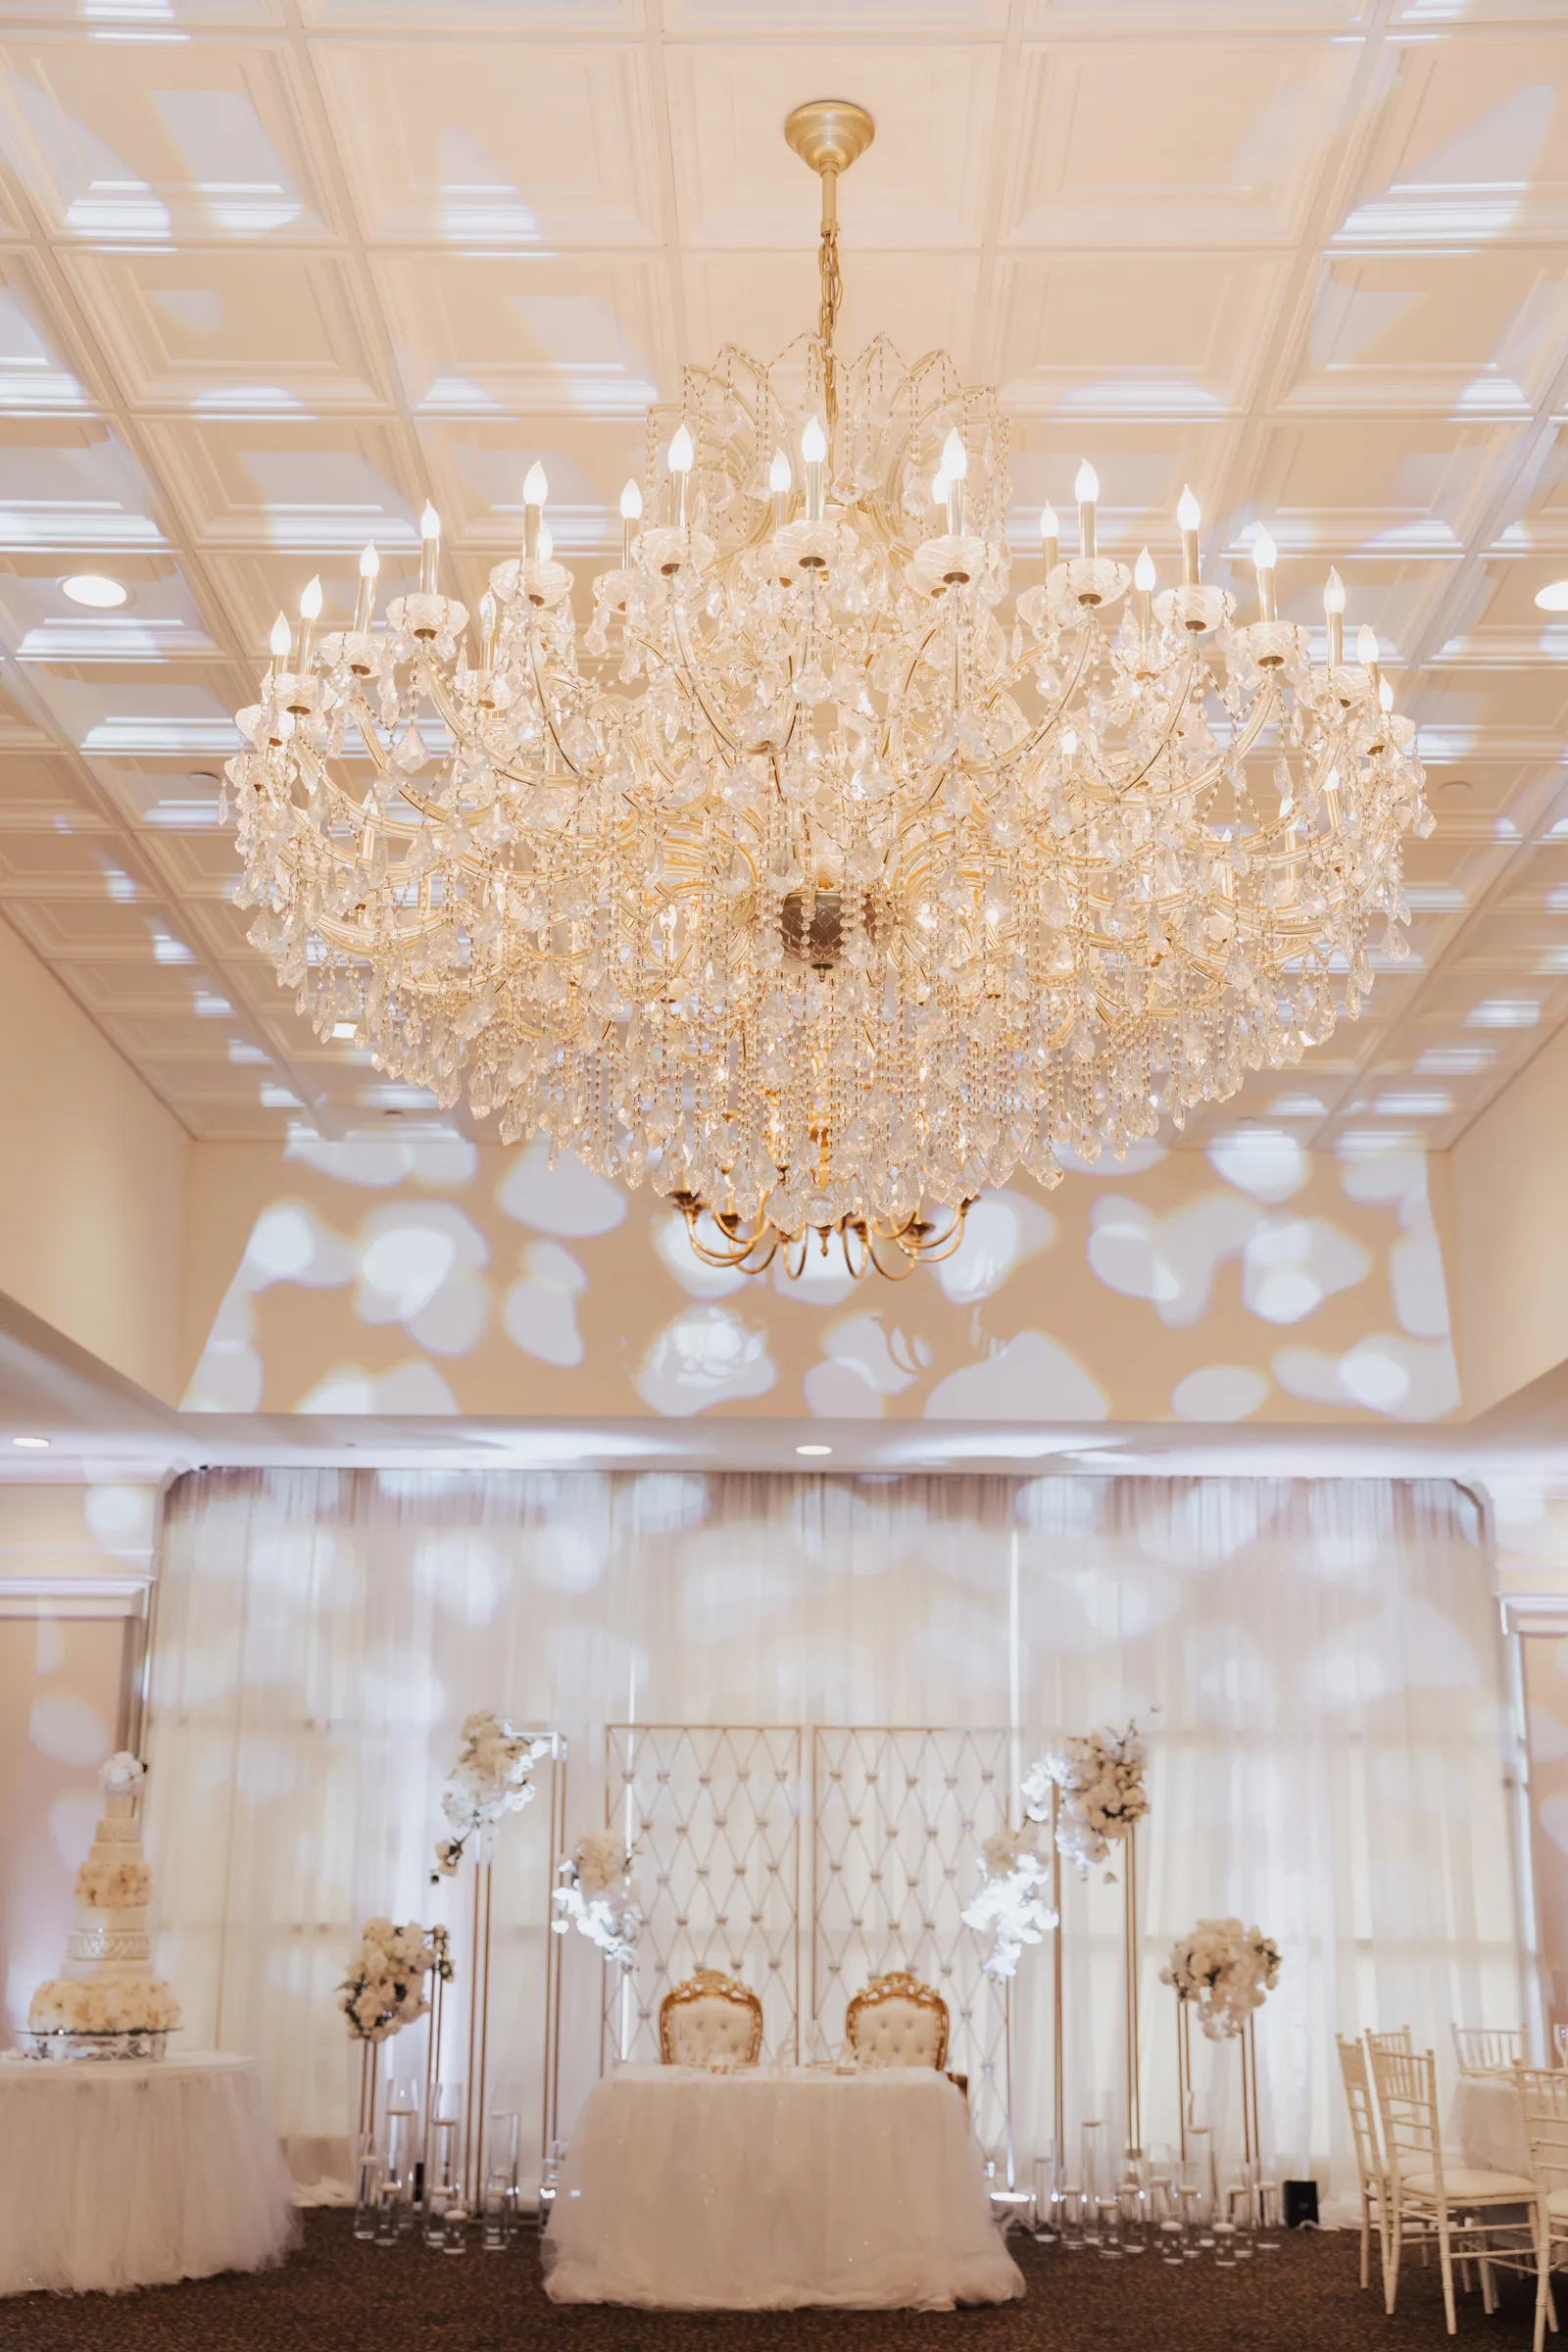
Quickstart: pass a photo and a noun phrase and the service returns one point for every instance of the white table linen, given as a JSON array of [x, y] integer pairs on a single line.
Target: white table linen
[[117, 2175], [1488, 2125], [769, 2190]]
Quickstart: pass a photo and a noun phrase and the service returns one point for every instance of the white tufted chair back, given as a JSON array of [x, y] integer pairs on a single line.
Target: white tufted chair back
[[710, 2020], [896, 2021]]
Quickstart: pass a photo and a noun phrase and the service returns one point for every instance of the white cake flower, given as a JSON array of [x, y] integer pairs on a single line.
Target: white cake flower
[[1103, 1797], [1226, 1969], [384, 1989], [121, 1773], [492, 1776], [1010, 1905], [597, 1897]]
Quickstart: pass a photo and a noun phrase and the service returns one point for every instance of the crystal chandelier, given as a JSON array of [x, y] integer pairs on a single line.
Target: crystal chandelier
[[808, 879]]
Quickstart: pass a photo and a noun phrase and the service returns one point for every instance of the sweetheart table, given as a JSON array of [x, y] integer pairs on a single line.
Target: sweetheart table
[[770, 2189], [115, 2174]]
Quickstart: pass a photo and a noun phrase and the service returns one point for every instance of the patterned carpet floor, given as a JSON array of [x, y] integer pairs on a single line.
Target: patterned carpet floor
[[336, 2295]]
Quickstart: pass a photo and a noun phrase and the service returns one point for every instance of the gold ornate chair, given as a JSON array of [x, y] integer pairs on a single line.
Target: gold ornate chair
[[710, 2020], [896, 2021]]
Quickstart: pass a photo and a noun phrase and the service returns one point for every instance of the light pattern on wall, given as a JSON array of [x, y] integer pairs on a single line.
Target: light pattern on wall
[[432, 1275]]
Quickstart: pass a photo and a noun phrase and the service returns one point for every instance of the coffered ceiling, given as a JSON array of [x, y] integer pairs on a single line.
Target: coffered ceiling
[[273, 271]]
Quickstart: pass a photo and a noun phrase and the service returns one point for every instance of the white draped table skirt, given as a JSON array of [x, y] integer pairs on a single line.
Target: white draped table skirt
[[115, 2176], [1489, 2124], [768, 2191]]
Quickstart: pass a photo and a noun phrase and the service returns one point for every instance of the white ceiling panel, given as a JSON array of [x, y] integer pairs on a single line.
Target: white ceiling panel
[[1470, 144], [233, 332], [1131, 334], [1178, 142], [159, 142], [1467, 334], [501, 334], [515, 145]]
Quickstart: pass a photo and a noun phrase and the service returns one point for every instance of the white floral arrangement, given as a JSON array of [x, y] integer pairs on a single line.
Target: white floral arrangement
[[384, 1989], [596, 1896], [492, 1776], [1010, 1906], [1227, 1970], [115, 1885], [1101, 1777], [104, 2005], [122, 1774]]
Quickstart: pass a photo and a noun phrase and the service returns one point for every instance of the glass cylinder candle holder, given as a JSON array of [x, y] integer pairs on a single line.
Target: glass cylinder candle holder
[[441, 2189], [403, 2144], [1048, 2199], [367, 2173], [1091, 2171]]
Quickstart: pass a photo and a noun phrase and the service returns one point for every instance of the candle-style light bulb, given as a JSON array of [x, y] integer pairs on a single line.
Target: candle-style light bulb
[[1385, 695], [631, 514], [1188, 514], [535, 490], [1143, 582], [1334, 613], [310, 614], [1366, 646], [1050, 539], [1086, 490], [681, 454], [780, 482], [429, 548], [1266, 555], [370, 571], [281, 638]]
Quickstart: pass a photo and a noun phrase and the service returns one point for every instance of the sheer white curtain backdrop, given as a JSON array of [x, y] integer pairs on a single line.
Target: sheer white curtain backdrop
[[1318, 1666]]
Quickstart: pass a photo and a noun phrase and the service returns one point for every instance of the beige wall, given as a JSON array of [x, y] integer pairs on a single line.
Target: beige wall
[[92, 1181], [428, 1276], [1510, 1224]]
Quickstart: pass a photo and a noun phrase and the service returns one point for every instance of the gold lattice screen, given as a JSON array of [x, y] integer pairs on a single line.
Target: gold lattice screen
[[899, 1817], [713, 1814]]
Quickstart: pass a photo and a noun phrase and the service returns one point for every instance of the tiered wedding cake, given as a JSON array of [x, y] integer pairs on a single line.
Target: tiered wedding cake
[[106, 1985]]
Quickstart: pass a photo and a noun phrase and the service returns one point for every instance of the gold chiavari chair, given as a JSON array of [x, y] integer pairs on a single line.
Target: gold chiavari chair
[[1398, 2037], [1489, 2050], [1544, 2098], [1465, 2206], [1361, 2101]]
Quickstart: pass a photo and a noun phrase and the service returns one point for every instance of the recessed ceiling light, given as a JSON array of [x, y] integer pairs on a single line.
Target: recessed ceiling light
[[94, 588], [1553, 598], [813, 1448], [345, 1028], [34, 1445]]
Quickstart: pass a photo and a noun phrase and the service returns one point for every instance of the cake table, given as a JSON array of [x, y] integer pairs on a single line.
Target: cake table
[[114, 2174]]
